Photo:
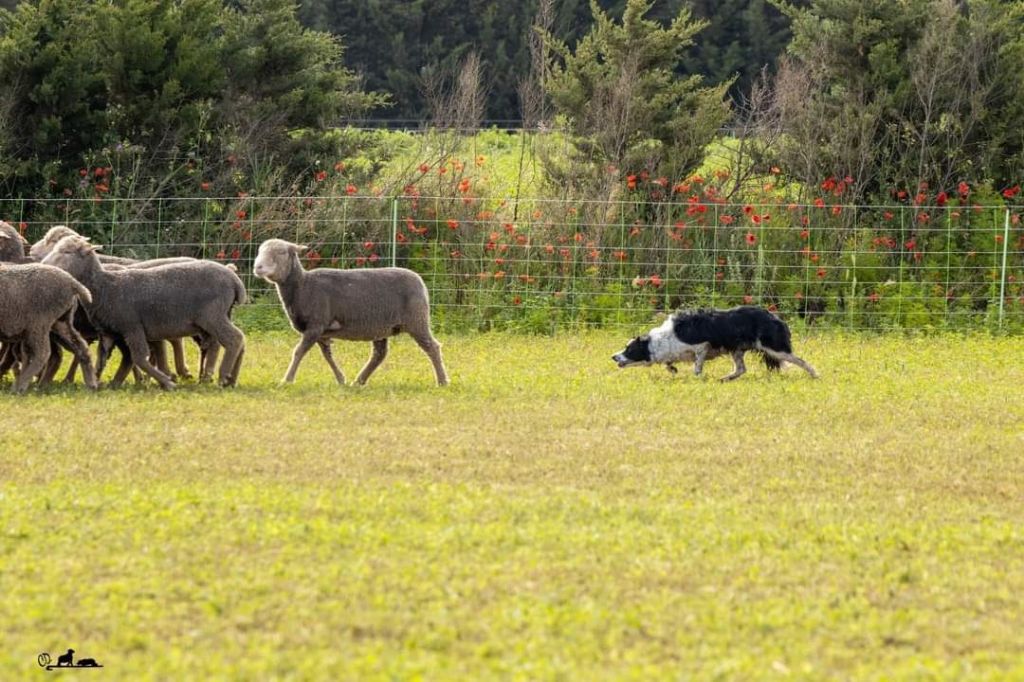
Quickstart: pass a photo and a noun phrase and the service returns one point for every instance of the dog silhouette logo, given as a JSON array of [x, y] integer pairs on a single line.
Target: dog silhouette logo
[[65, 660]]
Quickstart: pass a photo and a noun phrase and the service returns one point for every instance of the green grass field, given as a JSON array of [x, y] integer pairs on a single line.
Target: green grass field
[[547, 516]]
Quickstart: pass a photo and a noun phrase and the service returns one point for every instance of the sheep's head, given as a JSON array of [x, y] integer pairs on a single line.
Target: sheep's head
[[276, 258], [12, 244], [73, 255], [42, 248]]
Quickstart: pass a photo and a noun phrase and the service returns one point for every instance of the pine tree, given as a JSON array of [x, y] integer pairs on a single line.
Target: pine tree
[[623, 99]]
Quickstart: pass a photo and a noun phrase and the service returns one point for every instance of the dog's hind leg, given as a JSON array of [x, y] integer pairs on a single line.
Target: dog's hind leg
[[739, 369], [792, 359], [700, 354]]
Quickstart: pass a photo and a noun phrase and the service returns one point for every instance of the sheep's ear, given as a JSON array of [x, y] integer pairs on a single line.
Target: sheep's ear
[[95, 247], [300, 249], [4, 235]]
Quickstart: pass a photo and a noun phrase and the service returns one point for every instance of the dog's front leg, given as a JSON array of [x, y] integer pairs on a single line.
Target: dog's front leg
[[700, 354]]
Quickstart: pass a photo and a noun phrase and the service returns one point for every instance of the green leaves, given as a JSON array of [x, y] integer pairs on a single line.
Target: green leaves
[[623, 98]]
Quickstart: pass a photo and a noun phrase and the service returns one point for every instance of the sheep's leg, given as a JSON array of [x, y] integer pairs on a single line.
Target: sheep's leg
[[232, 339], [158, 358], [209, 361], [380, 351], [308, 339], [206, 346], [103, 348], [69, 377], [432, 348], [37, 350], [67, 333], [180, 366], [124, 368], [328, 353], [139, 348], [53, 362], [7, 358], [237, 370]]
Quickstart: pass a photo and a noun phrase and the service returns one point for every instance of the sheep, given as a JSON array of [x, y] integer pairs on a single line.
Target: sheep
[[358, 305], [167, 302], [12, 245], [12, 250], [35, 299], [44, 246]]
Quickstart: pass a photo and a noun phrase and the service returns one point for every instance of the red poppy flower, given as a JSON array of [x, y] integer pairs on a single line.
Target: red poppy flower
[[751, 239], [656, 281], [453, 224], [941, 198], [819, 202], [320, 176], [963, 189], [821, 273], [631, 181], [1011, 192], [805, 234]]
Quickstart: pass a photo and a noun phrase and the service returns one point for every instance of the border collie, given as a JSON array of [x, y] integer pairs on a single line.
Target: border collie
[[705, 334]]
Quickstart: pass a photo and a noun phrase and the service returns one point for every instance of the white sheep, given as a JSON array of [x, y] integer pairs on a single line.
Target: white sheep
[[357, 305]]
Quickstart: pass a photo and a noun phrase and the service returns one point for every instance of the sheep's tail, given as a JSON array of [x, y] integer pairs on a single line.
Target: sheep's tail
[[240, 295], [84, 294]]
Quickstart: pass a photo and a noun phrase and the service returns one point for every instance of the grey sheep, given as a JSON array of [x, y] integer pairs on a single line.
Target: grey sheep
[[167, 302], [12, 245], [12, 250], [42, 248], [35, 300], [358, 305]]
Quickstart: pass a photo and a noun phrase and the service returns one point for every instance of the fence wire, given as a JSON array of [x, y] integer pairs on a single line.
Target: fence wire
[[543, 264]]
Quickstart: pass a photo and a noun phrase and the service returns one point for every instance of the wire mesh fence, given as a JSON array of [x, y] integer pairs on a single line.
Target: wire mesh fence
[[539, 264]]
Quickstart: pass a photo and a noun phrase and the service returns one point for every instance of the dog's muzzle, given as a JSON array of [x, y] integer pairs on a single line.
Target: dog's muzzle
[[621, 360]]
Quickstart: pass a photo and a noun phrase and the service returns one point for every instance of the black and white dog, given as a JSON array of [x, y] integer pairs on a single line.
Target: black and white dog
[[699, 336]]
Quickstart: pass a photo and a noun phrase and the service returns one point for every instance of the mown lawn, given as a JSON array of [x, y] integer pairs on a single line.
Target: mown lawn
[[547, 516]]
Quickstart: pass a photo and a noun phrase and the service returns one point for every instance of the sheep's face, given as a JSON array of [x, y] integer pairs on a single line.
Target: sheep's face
[[72, 255], [11, 241], [275, 259], [42, 248]]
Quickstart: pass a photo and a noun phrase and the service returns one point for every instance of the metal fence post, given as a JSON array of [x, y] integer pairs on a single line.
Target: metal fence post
[[1002, 274], [394, 231]]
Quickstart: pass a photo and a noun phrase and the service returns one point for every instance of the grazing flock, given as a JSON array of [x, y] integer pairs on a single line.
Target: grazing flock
[[62, 294]]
